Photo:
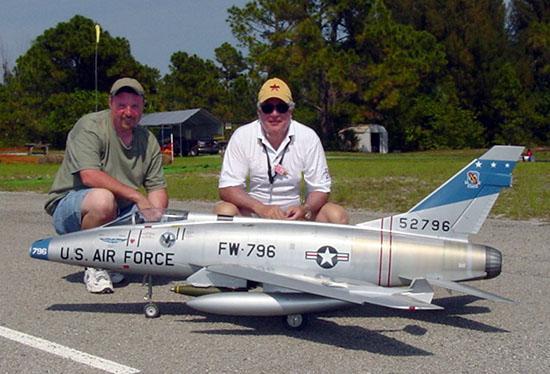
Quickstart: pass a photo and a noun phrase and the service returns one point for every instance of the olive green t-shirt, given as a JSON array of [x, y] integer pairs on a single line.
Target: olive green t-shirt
[[93, 144]]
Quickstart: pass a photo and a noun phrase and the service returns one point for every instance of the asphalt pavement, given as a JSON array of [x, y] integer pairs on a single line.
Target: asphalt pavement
[[50, 324]]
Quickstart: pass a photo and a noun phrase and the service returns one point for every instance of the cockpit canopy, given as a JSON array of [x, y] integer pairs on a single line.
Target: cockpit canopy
[[153, 215]]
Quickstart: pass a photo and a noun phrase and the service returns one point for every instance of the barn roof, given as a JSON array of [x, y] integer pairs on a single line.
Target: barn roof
[[361, 129], [180, 117]]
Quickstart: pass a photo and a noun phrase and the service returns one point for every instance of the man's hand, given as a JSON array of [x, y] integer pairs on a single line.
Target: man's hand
[[298, 212], [143, 203], [152, 214], [152, 206]]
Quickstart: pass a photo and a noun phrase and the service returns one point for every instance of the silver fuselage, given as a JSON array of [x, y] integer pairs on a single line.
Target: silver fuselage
[[336, 252]]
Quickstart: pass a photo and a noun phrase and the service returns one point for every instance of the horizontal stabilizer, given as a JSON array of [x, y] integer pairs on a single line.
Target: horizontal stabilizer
[[469, 290]]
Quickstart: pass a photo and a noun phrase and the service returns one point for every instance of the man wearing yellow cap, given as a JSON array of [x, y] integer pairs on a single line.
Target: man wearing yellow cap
[[275, 153], [108, 157]]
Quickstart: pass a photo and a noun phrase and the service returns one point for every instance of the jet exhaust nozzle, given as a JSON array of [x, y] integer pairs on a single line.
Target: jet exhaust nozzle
[[493, 262]]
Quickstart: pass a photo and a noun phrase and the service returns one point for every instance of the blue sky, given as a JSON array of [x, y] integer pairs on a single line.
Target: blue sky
[[155, 29]]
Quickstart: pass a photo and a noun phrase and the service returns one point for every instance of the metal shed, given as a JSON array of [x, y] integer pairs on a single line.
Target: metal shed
[[187, 126], [369, 138]]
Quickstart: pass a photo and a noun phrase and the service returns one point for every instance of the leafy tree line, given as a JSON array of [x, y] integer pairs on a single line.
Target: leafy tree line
[[436, 74]]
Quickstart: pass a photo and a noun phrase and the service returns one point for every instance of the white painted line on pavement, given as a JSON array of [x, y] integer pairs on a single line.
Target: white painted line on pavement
[[66, 352]]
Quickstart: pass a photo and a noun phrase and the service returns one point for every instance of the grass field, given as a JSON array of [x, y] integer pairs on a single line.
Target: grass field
[[374, 182]]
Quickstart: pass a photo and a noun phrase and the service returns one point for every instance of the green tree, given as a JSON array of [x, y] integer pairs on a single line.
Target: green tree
[[63, 110], [18, 120], [530, 34], [350, 62], [62, 60], [435, 120], [237, 105], [232, 62], [479, 60], [191, 83], [53, 82], [405, 87], [299, 42], [5, 69]]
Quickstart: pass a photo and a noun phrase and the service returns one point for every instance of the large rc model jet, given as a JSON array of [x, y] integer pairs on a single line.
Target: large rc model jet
[[258, 267]]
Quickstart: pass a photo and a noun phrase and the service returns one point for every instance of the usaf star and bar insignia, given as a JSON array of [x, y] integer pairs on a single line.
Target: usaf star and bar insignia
[[327, 257]]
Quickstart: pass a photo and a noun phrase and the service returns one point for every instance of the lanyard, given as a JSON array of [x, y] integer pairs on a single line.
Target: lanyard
[[272, 176]]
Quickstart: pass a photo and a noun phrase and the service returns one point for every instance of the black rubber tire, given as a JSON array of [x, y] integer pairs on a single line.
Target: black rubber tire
[[151, 310]]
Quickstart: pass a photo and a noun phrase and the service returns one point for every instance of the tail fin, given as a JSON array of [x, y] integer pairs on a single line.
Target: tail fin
[[460, 205]]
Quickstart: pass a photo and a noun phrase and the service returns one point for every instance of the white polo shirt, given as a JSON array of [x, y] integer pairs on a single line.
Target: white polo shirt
[[245, 156]]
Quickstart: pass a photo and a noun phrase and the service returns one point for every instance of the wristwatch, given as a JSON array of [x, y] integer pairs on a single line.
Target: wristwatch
[[308, 215]]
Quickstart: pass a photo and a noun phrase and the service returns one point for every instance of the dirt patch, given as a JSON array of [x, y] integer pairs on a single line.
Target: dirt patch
[[13, 150], [20, 156], [7, 158]]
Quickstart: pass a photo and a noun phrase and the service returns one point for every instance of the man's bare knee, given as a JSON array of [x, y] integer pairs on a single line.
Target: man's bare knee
[[226, 209], [98, 207], [333, 213]]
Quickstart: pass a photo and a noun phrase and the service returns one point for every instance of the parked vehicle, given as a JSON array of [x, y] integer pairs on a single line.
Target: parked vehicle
[[204, 146]]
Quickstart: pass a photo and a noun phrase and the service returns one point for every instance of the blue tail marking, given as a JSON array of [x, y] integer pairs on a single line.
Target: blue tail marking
[[481, 178]]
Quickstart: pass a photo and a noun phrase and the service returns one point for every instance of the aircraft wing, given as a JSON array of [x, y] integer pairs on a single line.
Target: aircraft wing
[[418, 296]]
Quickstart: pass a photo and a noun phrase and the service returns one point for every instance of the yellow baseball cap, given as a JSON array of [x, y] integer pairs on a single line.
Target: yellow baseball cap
[[275, 88], [131, 83]]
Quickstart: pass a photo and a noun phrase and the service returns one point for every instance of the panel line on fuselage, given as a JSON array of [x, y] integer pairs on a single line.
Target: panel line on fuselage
[[128, 239]]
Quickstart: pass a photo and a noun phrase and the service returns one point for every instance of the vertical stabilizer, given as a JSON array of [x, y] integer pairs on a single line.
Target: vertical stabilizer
[[460, 205]]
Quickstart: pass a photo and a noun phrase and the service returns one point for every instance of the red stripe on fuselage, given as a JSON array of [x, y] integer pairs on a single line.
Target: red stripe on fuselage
[[381, 250], [389, 260]]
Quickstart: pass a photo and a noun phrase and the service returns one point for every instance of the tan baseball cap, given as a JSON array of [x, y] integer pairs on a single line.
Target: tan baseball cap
[[130, 83], [275, 87]]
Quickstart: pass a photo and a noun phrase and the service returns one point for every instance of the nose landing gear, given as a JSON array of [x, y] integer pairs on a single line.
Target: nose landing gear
[[151, 310]]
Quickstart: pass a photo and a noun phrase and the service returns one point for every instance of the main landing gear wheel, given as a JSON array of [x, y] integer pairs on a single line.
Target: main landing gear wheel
[[295, 321], [151, 310]]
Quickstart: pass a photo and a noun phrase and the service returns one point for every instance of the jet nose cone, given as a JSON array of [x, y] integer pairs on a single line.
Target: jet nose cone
[[39, 249], [493, 262]]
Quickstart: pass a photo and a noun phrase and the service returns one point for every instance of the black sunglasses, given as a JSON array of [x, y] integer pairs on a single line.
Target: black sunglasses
[[268, 108]]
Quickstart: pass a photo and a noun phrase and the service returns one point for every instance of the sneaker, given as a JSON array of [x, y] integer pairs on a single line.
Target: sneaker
[[116, 278], [97, 281]]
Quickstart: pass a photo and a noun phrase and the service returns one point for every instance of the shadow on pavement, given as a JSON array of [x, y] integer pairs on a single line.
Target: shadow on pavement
[[320, 328]]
